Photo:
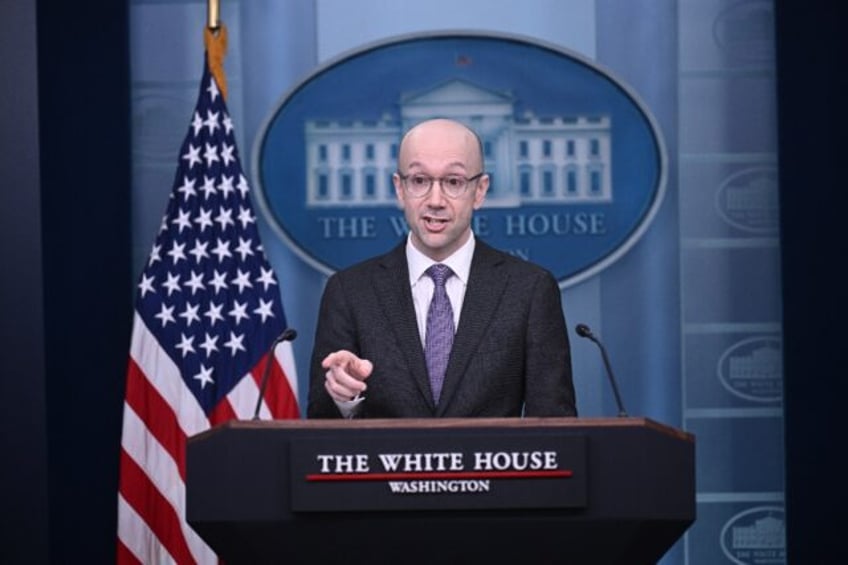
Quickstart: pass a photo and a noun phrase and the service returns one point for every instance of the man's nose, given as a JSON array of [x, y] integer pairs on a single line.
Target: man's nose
[[436, 196]]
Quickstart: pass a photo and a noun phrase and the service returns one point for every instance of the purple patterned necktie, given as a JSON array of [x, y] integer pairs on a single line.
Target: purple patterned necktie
[[440, 329]]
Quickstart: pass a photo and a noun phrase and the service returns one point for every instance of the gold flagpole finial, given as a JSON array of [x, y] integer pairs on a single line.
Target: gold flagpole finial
[[213, 13]]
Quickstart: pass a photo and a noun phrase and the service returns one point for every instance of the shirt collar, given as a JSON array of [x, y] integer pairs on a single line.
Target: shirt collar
[[459, 261]]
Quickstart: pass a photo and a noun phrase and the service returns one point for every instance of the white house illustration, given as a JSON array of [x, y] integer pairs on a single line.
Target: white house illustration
[[762, 363], [531, 159], [768, 532]]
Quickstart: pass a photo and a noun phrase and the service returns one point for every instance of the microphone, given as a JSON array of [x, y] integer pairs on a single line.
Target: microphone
[[288, 335], [584, 331]]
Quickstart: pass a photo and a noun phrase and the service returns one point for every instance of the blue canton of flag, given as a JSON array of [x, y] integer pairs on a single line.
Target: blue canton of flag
[[208, 293]]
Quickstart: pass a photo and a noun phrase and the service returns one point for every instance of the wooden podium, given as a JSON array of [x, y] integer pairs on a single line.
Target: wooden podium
[[519, 491]]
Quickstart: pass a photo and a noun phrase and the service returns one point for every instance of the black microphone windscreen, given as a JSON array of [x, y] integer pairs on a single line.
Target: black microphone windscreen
[[583, 330]]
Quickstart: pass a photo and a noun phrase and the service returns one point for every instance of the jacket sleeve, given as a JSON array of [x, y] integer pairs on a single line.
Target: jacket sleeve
[[335, 330], [550, 388]]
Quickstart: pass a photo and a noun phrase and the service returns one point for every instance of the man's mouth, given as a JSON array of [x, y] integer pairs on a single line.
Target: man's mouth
[[435, 223]]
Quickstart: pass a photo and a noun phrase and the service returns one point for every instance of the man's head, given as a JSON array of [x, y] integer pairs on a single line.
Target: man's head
[[440, 219]]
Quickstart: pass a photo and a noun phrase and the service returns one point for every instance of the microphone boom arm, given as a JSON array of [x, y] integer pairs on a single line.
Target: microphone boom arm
[[287, 335], [584, 331], [621, 411]]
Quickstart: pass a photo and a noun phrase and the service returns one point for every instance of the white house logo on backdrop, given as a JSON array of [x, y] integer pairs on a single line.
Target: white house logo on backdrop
[[752, 369], [748, 200], [756, 536], [744, 31], [577, 165]]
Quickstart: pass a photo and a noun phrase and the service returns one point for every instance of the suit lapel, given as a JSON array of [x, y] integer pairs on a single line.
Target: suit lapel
[[392, 285], [482, 296]]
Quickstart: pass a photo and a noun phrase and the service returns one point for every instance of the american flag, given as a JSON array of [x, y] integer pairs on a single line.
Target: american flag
[[207, 310]]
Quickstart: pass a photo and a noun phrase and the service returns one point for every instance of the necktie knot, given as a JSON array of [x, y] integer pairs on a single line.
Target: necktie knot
[[439, 273]]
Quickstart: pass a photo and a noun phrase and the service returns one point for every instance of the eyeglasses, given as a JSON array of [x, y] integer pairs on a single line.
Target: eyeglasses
[[418, 185]]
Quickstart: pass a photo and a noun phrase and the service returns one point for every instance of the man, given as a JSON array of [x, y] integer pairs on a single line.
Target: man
[[379, 351]]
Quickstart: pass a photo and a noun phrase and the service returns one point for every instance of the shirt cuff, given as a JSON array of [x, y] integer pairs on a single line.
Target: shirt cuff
[[348, 407]]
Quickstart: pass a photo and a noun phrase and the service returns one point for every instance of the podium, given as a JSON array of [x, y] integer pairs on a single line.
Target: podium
[[407, 491]]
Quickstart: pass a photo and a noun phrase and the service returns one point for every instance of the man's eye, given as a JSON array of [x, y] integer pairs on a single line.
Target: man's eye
[[454, 182], [419, 180]]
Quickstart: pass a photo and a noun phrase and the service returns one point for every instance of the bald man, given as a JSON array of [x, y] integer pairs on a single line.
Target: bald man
[[498, 345]]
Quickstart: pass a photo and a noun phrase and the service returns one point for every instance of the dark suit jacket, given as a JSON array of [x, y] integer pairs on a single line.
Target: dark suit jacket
[[510, 354]]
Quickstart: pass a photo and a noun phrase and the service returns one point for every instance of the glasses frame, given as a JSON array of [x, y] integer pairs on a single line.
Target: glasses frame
[[440, 180]]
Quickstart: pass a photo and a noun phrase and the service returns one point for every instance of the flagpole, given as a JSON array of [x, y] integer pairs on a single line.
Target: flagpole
[[213, 11], [215, 39]]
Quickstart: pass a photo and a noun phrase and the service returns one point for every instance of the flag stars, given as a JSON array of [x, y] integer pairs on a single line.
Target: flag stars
[[190, 314], [243, 248], [204, 219], [226, 185], [239, 312], [214, 313], [265, 309], [146, 285], [218, 281], [208, 188], [204, 376], [228, 124], [225, 217], [165, 315], [222, 250], [266, 278], [245, 217], [177, 252], [185, 344], [193, 156], [209, 345], [242, 280], [243, 187], [211, 121], [199, 250], [235, 344], [195, 282], [182, 220], [187, 188], [154, 254], [211, 154], [196, 123], [227, 153], [212, 89], [172, 284]]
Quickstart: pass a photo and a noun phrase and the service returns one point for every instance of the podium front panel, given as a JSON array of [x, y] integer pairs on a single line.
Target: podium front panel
[[614, 490]]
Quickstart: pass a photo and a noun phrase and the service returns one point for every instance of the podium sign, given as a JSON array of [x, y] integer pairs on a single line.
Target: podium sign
[[529, 490], [439, 469]]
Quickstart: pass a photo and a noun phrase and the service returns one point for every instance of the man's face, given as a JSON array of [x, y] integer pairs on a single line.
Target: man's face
[[440, 224]]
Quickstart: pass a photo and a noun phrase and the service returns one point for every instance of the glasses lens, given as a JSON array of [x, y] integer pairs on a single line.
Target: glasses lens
[[418, 184], [453, 185]]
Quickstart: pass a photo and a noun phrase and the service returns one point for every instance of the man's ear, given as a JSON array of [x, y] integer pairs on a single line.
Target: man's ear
[[398, 190], [480, 191]]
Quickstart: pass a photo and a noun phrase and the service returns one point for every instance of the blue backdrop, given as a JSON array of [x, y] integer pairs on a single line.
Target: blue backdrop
[[692, 315]]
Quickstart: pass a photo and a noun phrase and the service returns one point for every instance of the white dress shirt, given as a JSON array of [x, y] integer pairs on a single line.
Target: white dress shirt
[[422, 285]]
